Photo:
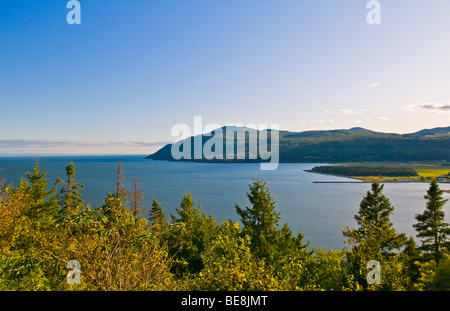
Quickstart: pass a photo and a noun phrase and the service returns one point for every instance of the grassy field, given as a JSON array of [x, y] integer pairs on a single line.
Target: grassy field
[[431, 170]]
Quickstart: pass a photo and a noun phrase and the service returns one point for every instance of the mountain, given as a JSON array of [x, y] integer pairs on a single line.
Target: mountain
[[332, 146], [434, 131]]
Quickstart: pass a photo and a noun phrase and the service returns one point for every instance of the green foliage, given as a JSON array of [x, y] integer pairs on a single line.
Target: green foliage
[[70, 198], [158, 220], [229, 264], [441, 278], [260, 221], [40, 232], [376, 239], [193, 236], [431, 228]]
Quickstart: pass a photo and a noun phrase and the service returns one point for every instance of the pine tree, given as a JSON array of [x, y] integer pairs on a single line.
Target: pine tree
[[43, 203], [431, 227], [375, 210], [375, 238], [70, 198], [136, 197], [373, 219], [261, 220], [192, 231], [115, 203], [121, 191], [410, 256], [157, 219], [188, 213]]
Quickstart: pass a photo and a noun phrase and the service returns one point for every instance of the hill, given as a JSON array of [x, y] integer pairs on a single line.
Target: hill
[[352, 145]]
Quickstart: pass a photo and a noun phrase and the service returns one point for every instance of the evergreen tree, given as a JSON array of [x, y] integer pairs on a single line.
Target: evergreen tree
[[431, 227], [157, 219], [136, 197], [374, 210], [261, 220], [43, 204], [114, 207], [121, 191], [373, 219], [70, 198], [375, 239], [192, 232], [410, 256], [188, 213], [115, 203]]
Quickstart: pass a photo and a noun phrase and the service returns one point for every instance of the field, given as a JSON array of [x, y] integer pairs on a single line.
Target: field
[[431, 170]]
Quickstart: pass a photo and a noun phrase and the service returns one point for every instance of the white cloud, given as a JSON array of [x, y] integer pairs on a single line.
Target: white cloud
[[375, 84], [322, 121], [347, 112], [383, 119]]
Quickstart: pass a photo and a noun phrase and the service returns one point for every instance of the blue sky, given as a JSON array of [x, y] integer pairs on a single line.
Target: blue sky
[[133, 69]]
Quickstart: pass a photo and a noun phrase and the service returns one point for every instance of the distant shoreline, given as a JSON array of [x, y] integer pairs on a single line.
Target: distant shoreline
[[420, 173]]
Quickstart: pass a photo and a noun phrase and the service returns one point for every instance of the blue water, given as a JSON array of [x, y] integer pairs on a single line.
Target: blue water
[[319, 211]]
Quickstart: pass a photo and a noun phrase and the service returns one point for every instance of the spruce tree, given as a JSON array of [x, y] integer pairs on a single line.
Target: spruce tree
[[136, 196], [431, 228], [375, 238], [70, 198], [261, 220], [121, 192], [188, 213], [157, 219], [43, 204], [373, 219], [115, 203]]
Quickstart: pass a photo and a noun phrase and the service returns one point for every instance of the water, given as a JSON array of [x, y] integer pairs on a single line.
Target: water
[[319, 211]]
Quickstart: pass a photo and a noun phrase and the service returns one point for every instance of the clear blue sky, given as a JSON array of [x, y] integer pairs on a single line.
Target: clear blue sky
[[133, 69]]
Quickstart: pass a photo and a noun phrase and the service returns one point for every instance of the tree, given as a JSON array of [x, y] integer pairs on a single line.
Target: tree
[[115, 203], [375, 239], [136, 196], [190, 234], [410, 256], [431, 227], [441, 277], [33, 210], [261, 220], [229, 264], [70, 199], [157, 219], [115, 253], [374, 210], [121, 191], [43, 203], [373, 219]]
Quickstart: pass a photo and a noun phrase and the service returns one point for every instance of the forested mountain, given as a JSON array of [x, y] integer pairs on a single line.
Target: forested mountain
[[352, 145]]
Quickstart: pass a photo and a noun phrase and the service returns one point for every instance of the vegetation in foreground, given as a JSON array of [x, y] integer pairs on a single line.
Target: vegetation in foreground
[[42, 229]]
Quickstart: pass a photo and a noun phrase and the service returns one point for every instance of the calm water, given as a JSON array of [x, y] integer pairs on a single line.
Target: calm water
[[320, 211]]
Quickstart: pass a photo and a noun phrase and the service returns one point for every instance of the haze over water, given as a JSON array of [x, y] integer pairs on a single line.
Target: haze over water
[[319, 210]]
